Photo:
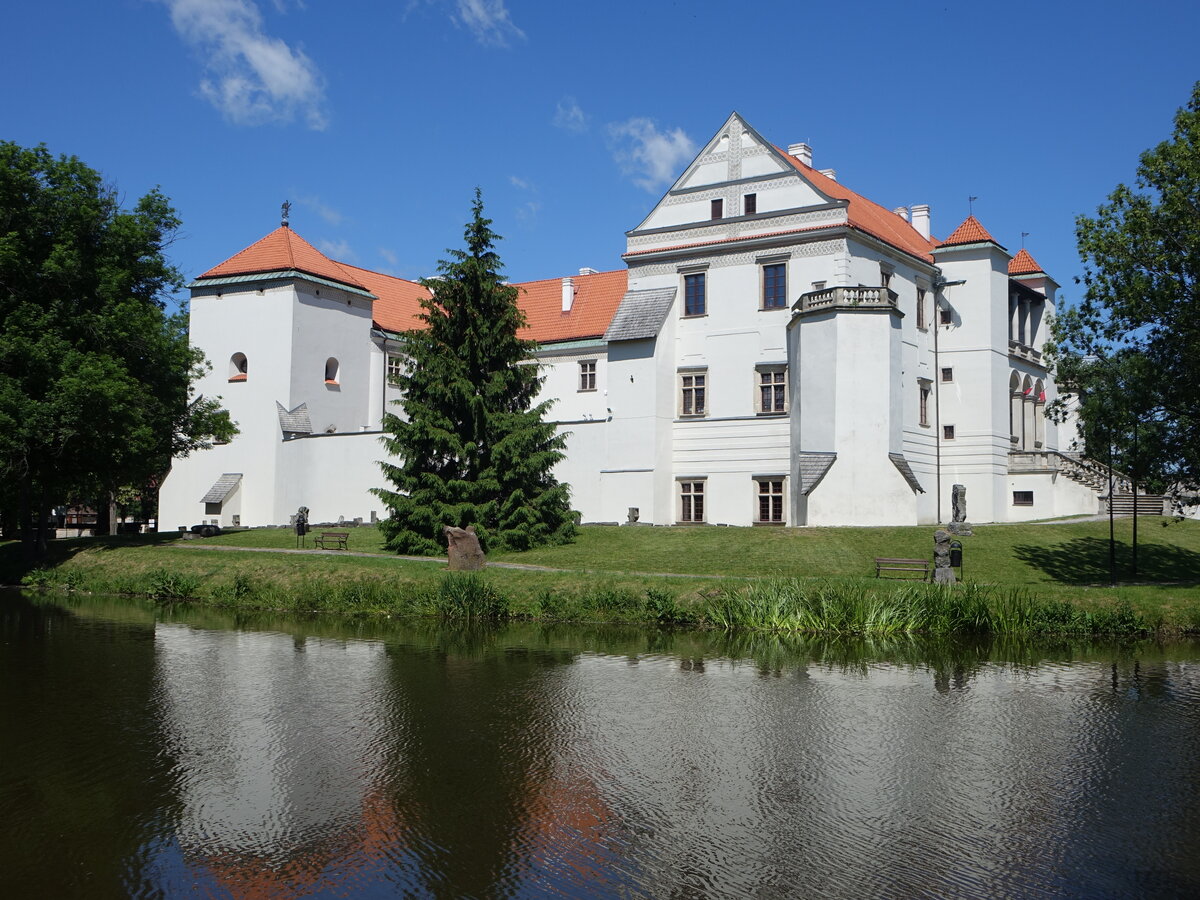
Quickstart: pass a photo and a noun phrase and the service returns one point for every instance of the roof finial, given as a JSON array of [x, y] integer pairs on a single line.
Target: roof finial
[[971, 205], [287, 208], [1024, 234]]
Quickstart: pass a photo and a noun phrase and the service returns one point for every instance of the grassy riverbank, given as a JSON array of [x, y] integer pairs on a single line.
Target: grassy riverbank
[[1022, 578]]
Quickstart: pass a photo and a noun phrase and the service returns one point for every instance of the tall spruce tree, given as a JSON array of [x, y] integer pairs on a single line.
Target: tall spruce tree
[[473, 449]]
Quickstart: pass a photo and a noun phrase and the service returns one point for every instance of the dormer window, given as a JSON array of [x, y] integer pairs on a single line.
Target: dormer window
[[237, 367]]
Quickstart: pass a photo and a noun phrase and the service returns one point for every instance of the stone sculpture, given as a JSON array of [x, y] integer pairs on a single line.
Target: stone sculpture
[[463, 549], [942, 572], [958, 511]]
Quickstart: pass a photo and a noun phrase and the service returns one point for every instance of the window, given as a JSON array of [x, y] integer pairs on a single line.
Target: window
[[395, 368], [694, 301], [691, 501], [770, 500], [750, 204], [945, 316], [718, 208], [926, 390], [331, 371], [921, 308], [1022, 498], [772, 391], [587, 376], [693, 385], [947, 432], [774, 286], [237, 367], [947, 373]]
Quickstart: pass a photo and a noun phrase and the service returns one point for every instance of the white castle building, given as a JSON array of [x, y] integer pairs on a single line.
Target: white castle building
[[778, 350]]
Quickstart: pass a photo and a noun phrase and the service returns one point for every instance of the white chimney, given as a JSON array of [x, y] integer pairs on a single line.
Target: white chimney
[[902, 212], [920, 219], [831, 174], [568, 294], [802, 152], [588, 270]]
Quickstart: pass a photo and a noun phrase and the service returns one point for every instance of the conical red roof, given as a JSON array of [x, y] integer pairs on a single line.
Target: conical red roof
[[969, 232], [282, 250], [1023, 264]]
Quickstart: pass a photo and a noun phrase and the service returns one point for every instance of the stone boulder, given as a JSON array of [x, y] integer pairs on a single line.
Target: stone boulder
[[463, 549]]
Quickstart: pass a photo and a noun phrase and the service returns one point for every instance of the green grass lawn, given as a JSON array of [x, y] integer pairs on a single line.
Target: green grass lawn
[[1056, 560]]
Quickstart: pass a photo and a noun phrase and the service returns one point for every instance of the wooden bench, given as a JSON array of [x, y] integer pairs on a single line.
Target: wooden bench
[[906, 567], [333, 540]]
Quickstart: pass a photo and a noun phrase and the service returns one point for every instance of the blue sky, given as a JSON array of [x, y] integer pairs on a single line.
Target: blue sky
[[377, 120]]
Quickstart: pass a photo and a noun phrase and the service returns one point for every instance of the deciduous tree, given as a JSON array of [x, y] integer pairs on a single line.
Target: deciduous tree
[[95, 376], [1133, 343], [472, 447]]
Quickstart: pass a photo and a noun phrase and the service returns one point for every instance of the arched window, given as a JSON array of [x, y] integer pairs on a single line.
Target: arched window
[[1015, 398], [237, 367], [1038, 396], [1027, 414], [331, 371]]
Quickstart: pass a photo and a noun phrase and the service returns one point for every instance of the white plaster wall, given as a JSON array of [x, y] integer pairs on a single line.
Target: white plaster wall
[[330, 323], [560, 383], [332, 475], [223, 322], [1053, 496], [975, 346], [863, 486], [585, 457]]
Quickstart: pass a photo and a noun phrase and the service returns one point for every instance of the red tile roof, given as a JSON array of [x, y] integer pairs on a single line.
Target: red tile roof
[[868, 216], [1023, 264], [398, 301], [281, 250], [969, 232], [596, 300]]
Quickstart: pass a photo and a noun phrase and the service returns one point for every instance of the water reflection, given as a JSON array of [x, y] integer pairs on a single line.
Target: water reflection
[[256, 757]]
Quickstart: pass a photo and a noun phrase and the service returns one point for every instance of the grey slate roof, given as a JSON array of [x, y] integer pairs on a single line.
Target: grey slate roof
[[294, 421], [812, 468], [640, 315], [906, 470], [223, 488]]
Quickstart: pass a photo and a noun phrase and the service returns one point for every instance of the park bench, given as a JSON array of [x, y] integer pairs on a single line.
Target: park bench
[[333, 540], [905, 567]]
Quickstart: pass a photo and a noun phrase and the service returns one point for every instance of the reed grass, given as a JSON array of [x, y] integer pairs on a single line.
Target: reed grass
[[779, 606]]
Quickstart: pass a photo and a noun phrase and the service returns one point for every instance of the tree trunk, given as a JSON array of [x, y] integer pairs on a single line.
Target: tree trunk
[[43, 515], [112, 513], [25, 512]]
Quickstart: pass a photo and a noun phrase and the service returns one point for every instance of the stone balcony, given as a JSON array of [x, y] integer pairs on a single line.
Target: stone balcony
[[1017, 350], [846, 297]]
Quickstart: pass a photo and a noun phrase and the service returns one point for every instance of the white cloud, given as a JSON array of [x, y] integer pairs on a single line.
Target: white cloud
[[518, 182], [569, 116], [337, 250], [651, 157], [322, 209], [488, 20], [391, 258], [251, 77], [527, 212]]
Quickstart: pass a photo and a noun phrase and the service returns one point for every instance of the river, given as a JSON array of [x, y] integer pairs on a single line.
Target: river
[[148, 752]]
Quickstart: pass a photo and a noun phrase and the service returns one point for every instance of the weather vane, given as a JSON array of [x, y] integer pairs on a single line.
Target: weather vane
[[971, 205], [287, 209]]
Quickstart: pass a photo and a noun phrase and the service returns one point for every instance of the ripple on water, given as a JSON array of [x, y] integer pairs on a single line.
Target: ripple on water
[[549, 762]]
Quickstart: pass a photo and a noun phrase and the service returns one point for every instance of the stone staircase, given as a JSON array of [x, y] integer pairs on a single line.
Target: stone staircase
[[1147, 504]]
